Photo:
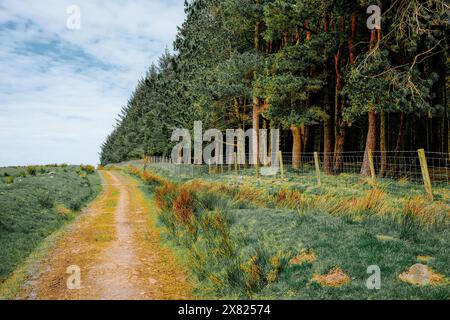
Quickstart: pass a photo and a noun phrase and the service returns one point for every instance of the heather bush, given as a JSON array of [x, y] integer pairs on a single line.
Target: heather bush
[[32, 170]]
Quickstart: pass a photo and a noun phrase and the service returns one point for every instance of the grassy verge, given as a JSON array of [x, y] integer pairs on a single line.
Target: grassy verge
[[276, 241], [37, 201]]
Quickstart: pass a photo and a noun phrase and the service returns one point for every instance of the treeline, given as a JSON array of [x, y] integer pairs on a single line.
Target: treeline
[[310, 67]]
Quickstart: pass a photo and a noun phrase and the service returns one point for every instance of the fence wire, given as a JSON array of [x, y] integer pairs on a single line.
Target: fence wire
[[393, 170]]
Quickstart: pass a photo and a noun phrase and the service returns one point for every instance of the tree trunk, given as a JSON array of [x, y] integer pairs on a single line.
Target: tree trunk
[[371, 143], [339, 149], [297, 146], [255, 121], [383, 148], [339, 122], [304, 134], [328, 123], [327, 145], [399, 143], [256, 105], [401, 133], [351, 46]]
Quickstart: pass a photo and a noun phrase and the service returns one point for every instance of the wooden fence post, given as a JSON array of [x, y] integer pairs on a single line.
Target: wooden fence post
[[316, 161], [280, 156], [425, 173], [372, 168]]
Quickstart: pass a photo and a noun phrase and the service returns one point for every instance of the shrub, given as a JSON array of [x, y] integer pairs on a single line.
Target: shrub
[[262, 268], [63, 211], [9, 180], [45, 199], [75, 205], [88, 169], [32, 170]]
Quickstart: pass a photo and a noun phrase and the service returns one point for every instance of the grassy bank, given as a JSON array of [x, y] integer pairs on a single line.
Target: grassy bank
[[36, 201], [253, 239]]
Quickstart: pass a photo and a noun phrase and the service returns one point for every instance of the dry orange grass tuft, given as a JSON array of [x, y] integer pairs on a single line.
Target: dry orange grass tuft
[[214, 221], [254, 273], [291, 199], [162, 194], [373, 202], [428, 214], [195, 185], [134, 170], [63, 211], [275, 263], [151, 177], [332, 204], [252, 195], [335, 278], [424, 258], [147, 176], [305, 256], [183, 208]]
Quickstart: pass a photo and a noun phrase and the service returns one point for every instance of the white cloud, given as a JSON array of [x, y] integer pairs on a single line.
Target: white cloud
[[60, 89]]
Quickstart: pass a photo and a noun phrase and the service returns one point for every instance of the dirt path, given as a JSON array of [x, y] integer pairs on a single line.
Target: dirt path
[[117, 249]]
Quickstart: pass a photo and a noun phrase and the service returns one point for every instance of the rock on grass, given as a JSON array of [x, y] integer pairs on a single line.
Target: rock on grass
[[421, 275]]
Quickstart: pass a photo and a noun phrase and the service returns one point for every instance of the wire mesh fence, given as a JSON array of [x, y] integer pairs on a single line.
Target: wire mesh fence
[[391, 170]]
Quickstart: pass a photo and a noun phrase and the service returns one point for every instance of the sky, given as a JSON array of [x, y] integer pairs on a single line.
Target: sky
[[62, 87]]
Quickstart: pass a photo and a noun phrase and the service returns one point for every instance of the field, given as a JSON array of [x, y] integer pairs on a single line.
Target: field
[[35, 202], [243, 237]]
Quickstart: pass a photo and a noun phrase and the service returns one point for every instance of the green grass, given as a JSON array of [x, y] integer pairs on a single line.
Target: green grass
[[340, 222], [31, 207], [353, 246]]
